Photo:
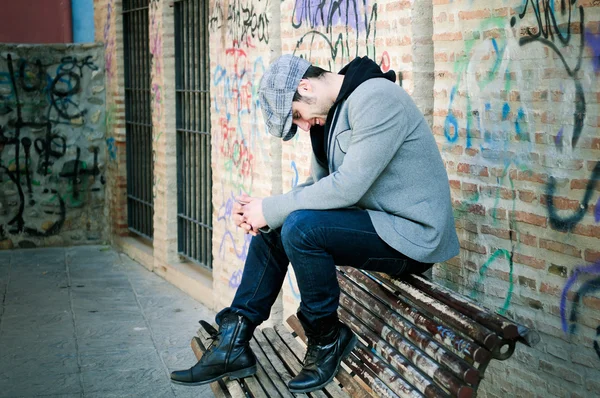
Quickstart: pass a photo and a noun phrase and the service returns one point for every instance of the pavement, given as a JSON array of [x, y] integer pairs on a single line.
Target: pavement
[[89, 322]]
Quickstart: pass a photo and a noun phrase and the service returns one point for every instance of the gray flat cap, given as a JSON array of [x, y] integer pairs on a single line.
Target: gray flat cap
[[276, 91]]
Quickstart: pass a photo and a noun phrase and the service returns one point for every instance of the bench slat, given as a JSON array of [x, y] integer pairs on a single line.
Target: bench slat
[[269, 379], [452, 371], [275, 361], [377, 385], [232, 386], [386, 300], [460, 322], [288, 357], [333, 388], [401, 365], [350, 384], [494, 322]]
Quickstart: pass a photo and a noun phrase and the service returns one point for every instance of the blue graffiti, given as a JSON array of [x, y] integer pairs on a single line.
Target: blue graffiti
[[451, 120], [112, 148], [295, 292], [295, 178]]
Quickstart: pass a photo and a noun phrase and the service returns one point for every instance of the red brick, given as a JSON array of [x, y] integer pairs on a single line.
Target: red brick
[[469, 188], [582, 184], [561, 203], [559, 247], [454, 184], [473, 247], [527, 239], [527, 196], [587, 230], [530, 218], [476, 14], [500, 233], [463, 168], [549, 289], [524, 281], [592, 302], [591, 255], [529, 261], [530, 176]]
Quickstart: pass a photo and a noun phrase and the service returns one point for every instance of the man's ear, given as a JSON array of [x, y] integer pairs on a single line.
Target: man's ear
[[305, 87]]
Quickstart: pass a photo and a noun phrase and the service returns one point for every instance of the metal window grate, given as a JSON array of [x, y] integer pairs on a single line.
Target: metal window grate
[[138, 118], [194, 178]]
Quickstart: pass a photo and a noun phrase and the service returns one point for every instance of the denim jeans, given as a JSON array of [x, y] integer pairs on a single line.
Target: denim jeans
[[313, 241]]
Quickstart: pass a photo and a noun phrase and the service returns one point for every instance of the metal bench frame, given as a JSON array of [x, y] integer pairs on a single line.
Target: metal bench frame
[[415, 339]]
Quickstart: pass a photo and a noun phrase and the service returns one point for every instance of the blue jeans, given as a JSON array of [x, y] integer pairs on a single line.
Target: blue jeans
[[313, 241]]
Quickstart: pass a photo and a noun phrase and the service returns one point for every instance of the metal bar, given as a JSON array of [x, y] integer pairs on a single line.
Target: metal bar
[[410, 342], [460, 322], [407, 371], [466, 348], [190, 219], [500, 325]]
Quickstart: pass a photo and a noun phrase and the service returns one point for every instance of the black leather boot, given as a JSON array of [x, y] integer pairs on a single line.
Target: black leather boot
[[329, 341], [229, 354]]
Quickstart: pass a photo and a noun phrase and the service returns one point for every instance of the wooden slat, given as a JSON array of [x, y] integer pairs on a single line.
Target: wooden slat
[[378, 386], [355, 388], [461, 346], [218, 388], [333, 389], [274, 358], [451, 376], [287, 356], [499, 324], [254, 387], [271, 374], [392, 360], [233, 386], [451, 317]]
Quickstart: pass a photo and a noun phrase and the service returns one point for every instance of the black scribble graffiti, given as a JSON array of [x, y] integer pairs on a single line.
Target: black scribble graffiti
[[246, 21], [546, 32], [568, 223], [32, 80], [549, 33], [356, 17], [45, 149], [596, 345]]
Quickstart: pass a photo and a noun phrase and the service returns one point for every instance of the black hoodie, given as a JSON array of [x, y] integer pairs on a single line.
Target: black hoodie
[[355, 73]]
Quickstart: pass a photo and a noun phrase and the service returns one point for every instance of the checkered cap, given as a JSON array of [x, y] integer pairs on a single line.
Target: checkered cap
[[276, 91]]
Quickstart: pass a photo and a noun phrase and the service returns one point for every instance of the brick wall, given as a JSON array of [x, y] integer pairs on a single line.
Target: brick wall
[[516, 118], [513, 104], [53, 148]]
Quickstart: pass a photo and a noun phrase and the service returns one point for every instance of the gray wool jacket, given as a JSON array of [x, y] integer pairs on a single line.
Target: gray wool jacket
[[382, 158]]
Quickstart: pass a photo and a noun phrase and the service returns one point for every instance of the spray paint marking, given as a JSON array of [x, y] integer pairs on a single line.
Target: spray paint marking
[[588, 287]]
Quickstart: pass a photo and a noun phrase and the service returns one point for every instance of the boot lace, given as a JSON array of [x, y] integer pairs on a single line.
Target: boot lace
[[215, 339], [311, 354]]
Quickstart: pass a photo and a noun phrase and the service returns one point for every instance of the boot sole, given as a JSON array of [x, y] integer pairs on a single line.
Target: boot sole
[[346, 352], [238, 374]]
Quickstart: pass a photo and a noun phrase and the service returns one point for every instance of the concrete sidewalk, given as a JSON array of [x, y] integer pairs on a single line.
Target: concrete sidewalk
[[89, 322]]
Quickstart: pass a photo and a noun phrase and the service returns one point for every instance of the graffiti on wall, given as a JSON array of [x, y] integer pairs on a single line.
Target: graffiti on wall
[[51, 148], [591, 284], [355, 34], [489, 75]]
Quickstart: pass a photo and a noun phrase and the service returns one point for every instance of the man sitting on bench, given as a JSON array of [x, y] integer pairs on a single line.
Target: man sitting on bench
[[378, 199]]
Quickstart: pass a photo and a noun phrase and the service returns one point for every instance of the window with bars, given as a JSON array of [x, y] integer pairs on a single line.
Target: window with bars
[[138, 118], [194, 177]]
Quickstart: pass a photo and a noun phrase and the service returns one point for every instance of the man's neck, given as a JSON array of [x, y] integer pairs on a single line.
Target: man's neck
[[333, 83]]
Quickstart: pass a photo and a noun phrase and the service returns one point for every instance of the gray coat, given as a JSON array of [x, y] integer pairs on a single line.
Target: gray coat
[[382, 158]]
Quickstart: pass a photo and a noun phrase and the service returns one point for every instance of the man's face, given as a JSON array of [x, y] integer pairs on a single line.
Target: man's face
[[311, 110]]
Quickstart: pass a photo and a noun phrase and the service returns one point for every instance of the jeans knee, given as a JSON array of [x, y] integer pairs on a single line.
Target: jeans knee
[[298, 226]]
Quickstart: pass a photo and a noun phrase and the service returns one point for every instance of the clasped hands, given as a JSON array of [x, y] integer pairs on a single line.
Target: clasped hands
[[248, 214]]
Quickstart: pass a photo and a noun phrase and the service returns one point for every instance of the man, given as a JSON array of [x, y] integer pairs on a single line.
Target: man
[[378, 199]]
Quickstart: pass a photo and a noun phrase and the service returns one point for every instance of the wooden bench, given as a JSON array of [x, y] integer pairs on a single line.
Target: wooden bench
[[415, 339]]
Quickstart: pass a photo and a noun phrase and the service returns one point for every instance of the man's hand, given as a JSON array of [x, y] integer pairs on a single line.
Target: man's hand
[[247, 214]]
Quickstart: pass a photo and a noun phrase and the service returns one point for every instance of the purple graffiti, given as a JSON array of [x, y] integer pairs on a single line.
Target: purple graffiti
[[588, 287], [597, 211], [329, 13], [236, 279], [593, 42]]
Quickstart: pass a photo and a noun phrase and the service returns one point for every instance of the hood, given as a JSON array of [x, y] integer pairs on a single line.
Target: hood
[[355, 73]]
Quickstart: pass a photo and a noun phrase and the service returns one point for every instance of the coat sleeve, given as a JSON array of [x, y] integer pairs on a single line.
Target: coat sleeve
[[377, 120]]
